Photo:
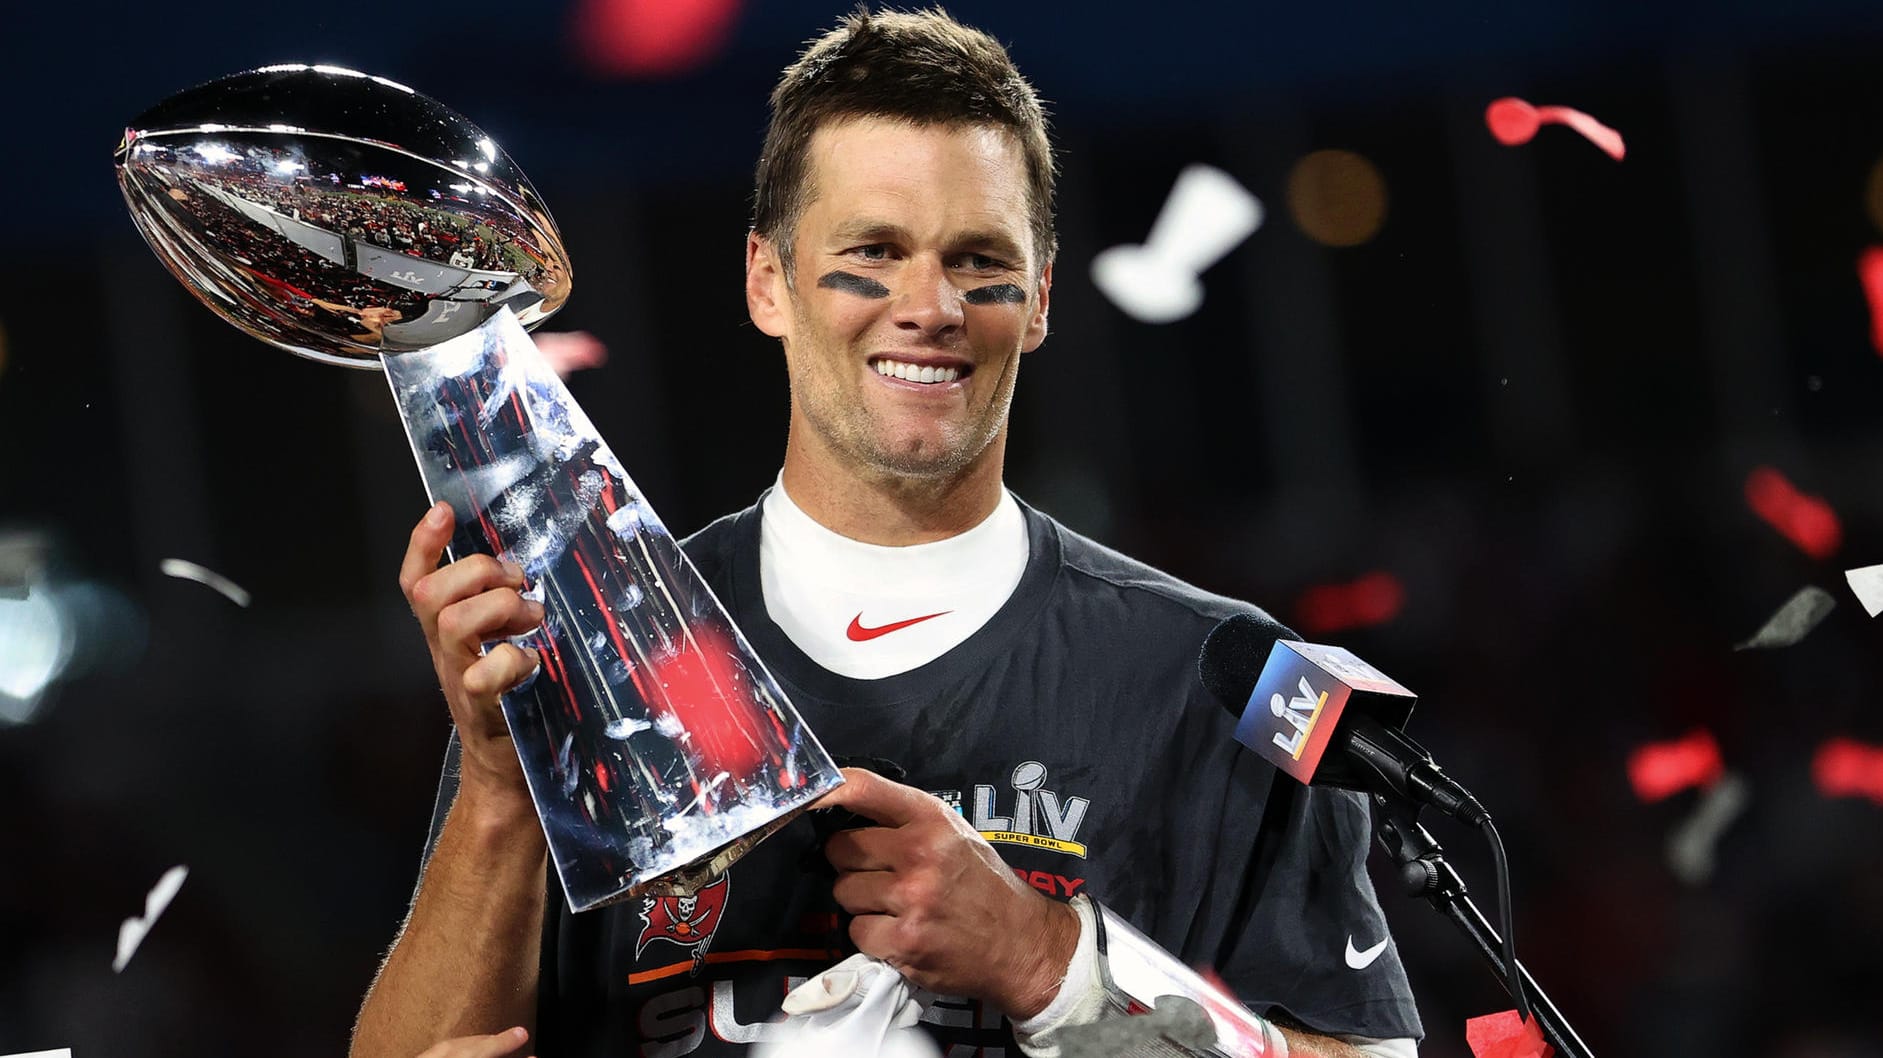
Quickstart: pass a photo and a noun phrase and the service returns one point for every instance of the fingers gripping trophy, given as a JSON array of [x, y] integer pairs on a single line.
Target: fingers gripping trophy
[[348, 219]]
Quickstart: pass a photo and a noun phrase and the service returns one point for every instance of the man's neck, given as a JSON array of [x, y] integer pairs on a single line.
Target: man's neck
[[893, 510]]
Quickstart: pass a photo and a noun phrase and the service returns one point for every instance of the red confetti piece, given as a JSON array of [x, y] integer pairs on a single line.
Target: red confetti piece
[[1870, 271], [1505, 1035], [1372, 600], [1844, 767], [1807, 521], [651, 38], [1514, 122], [1659, 770]]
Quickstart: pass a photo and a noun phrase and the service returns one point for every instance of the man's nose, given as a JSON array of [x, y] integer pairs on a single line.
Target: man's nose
[[927, 300]]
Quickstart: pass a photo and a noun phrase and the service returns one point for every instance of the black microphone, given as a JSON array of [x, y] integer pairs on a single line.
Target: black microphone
[[1323, 715]]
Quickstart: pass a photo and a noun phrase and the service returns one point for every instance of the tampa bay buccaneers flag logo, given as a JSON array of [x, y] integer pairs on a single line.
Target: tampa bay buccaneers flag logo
[[688, 921]]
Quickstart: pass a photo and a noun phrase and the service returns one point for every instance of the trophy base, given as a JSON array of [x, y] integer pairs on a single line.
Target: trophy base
[[691, 878]]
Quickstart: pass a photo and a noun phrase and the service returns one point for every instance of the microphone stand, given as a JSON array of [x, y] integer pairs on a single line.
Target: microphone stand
[[1424, 872]]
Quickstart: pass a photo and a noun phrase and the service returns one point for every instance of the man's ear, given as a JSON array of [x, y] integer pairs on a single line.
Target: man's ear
[[767, 298], [1036, 326]]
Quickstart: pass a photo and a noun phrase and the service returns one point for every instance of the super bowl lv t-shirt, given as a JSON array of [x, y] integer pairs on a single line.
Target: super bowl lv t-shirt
[[1072, 732]]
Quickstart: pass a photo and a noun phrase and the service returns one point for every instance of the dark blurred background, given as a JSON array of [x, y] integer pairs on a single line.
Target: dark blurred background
[[1520, 439]]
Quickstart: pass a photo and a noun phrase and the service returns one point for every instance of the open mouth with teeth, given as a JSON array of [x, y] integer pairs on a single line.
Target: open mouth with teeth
[[927, 374]]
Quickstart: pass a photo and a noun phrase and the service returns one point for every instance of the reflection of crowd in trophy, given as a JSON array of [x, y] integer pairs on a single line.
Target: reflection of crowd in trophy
[[407, 227], [329, 255], [308, 284], [378, 216]]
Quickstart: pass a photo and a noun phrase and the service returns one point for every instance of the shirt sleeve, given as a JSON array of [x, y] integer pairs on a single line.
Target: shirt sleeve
[[1314, 949], [1399, 1048]]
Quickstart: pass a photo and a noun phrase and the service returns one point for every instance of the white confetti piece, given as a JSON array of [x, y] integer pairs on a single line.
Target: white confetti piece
[[1691, 847], [1793, 621], [1207, 215], [179, 568], [1868, 584], [132, 933], [63, 1052]]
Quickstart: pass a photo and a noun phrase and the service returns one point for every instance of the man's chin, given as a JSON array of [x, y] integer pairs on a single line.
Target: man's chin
[[924, 459], [926, 468]]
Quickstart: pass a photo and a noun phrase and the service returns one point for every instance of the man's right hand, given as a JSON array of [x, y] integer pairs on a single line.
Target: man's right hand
[[462, 606]]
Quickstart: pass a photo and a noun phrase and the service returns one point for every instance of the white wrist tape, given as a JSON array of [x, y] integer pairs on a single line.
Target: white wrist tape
[[1081, 998], [1117, 971]]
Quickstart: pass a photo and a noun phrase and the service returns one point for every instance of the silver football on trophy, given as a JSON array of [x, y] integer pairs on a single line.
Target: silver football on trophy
[[339, 215]]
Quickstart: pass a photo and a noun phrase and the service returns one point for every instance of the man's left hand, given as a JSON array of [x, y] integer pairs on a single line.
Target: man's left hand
[[934, 900]]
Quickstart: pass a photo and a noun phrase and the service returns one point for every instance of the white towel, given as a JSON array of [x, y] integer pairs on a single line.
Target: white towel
[[860, 1006]]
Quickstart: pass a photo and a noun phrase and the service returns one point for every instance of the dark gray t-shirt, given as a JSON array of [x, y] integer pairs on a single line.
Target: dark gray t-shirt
[[1072, 731]]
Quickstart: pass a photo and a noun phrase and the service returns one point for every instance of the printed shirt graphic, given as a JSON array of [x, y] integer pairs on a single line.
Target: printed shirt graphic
[[688, 921], [1037, 816], [858, 632], [1072, 732]]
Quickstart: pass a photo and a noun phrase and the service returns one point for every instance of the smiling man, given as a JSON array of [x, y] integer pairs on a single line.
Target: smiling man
[[1034, 691], [903, 354]]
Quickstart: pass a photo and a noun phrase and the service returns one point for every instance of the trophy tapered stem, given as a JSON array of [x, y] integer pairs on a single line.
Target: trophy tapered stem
[[651, 737]]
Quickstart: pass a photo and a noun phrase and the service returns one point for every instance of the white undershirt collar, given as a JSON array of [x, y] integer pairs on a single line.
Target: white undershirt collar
[[867, 611]]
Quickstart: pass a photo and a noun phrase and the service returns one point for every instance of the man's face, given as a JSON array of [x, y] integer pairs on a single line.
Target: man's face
[[916, 289]]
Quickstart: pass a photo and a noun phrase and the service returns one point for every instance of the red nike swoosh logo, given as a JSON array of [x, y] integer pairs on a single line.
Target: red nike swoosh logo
[[860, 634]]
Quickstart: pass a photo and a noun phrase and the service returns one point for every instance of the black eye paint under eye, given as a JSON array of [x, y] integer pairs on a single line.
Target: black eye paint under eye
[[851, 283], [995, 294]]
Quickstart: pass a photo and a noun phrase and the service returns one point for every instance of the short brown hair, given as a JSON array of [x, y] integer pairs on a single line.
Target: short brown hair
[[922, 67]]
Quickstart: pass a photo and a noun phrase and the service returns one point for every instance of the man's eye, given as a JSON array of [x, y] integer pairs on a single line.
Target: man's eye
[[980, 262], [873, 252]]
